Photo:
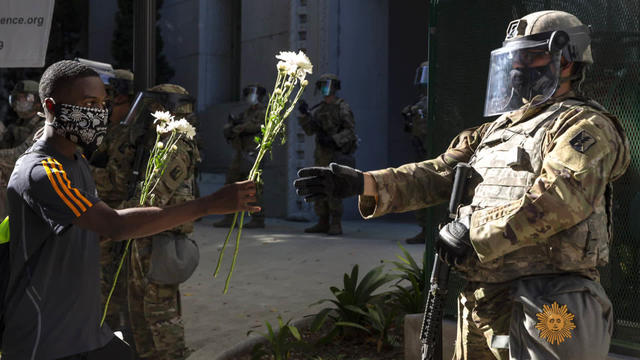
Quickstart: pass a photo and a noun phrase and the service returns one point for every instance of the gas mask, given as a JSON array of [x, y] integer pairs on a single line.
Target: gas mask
[[83, 126], [253, 94]]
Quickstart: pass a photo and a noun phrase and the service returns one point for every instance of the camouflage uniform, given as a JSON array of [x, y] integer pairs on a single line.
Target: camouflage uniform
[[111, 168], [418, 130], [541, 216], [336, 141], [18, 138], [155, 308], [241, 132]]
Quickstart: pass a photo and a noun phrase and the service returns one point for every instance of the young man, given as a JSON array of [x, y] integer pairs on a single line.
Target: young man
[[53, 304], [538, 221]]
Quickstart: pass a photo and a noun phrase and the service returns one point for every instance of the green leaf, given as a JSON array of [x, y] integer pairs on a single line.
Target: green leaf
[[257, 139], [352, 324], [294, 331]]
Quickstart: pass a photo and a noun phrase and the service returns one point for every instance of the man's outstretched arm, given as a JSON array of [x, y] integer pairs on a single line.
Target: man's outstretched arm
[[145, 221]]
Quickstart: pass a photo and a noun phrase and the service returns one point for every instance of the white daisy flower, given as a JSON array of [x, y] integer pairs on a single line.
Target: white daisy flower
[[162, 116]]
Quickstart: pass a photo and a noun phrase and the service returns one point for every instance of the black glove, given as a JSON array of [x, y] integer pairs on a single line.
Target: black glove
[[453, 243], [335, 180], [303, 108]]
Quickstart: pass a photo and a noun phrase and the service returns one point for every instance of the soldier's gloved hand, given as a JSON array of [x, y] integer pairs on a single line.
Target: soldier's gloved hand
[[303, 108], [453, 243], [335, 180]]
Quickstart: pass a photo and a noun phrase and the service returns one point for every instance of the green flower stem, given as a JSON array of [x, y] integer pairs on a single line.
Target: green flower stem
[[158, 160], [226, 241], [274, 123]]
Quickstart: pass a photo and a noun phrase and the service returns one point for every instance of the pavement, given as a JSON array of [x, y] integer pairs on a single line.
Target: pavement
[[280, 271]]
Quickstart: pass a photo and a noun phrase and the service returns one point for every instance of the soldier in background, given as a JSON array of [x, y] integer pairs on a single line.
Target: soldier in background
[[331, 121], [155, 308], [111, 165], [415, 123], [19, 135], [240, 131]]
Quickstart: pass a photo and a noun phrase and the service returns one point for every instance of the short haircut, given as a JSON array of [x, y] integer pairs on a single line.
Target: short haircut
[[61, 73]]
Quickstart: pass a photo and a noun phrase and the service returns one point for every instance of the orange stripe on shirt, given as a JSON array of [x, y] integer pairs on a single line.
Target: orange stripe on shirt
[[64, 186], [75, 190], [57, 190]]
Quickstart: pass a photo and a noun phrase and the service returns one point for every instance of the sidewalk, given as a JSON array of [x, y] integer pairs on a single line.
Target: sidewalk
[[280, 271]]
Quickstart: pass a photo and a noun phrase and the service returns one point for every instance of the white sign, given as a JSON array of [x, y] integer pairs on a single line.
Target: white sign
[[24, 32]]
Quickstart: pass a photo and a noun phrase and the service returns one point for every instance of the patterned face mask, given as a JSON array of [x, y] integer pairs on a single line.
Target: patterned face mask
[[81, 125]]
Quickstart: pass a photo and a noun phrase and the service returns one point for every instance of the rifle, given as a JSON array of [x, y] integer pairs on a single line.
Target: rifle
[[140, 155], [431, 330]]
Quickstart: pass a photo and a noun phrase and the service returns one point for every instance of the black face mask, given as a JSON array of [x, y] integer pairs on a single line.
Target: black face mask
[[530, 82]]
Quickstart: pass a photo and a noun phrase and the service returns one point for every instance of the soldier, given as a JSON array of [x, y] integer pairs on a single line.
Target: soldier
[[240, 131], [111, 166], [539, 219], [19, 135], [155, 308], [331, 121], [415, 123]]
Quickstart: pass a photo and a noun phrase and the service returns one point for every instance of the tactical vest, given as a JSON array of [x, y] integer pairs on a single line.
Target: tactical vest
[[508, 160]]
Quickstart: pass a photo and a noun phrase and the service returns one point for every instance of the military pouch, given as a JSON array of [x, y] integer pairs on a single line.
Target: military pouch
[[174, 258], [560, 317]]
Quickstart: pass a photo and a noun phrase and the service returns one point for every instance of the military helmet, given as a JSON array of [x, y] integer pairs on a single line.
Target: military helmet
[[26, 87], [528, 68], [181, 105], [122, 82], [543, 24], [328, 84], [24, 96]]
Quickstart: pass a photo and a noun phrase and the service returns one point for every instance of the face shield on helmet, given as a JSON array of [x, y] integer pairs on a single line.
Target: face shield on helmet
[[421, 81], [147, 102], [253, 94], [525, 70], [326, 87], [22, 102]]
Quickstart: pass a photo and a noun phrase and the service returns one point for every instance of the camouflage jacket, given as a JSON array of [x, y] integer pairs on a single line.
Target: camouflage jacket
[[243, 129], [8, 156], [333, 125], [20, 131], [547, 228], [177, 184], [111, 166]]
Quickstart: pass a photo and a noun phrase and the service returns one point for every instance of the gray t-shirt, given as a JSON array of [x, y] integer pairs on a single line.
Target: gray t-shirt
[[53, 304]]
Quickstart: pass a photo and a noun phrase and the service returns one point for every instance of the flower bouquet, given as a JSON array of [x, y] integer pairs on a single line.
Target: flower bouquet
[[292, 71], [171, 131]]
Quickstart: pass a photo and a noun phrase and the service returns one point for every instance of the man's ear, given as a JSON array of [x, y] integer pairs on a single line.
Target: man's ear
[[50, 105]]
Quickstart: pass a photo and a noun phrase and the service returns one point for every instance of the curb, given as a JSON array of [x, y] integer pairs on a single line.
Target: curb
[[244, 347]]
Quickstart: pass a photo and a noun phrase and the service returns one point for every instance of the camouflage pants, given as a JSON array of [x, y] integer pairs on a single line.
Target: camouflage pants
[[154, 310], [545, 317], [117, 313], [330, 207], [239, 171], [483, 311]]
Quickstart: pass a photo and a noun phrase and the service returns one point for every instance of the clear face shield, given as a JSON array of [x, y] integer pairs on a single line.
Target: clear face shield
[[421, 81], [524, 71], [147, 102], [252, 94], [326, 87], [22, 103]]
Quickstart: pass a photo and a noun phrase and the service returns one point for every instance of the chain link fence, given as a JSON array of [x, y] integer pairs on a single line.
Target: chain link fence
[[467, 31]]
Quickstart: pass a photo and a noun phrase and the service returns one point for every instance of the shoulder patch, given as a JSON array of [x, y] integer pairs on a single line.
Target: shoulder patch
[[582, 141]]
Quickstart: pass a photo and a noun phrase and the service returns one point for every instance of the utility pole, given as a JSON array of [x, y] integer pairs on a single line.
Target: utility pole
[[144, 44]]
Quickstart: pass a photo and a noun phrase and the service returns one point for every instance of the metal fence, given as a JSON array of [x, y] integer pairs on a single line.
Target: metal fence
[[463, 34]]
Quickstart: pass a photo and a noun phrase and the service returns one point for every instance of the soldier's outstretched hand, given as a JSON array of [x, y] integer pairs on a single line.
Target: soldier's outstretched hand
[[233, 197], [335, 180]]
